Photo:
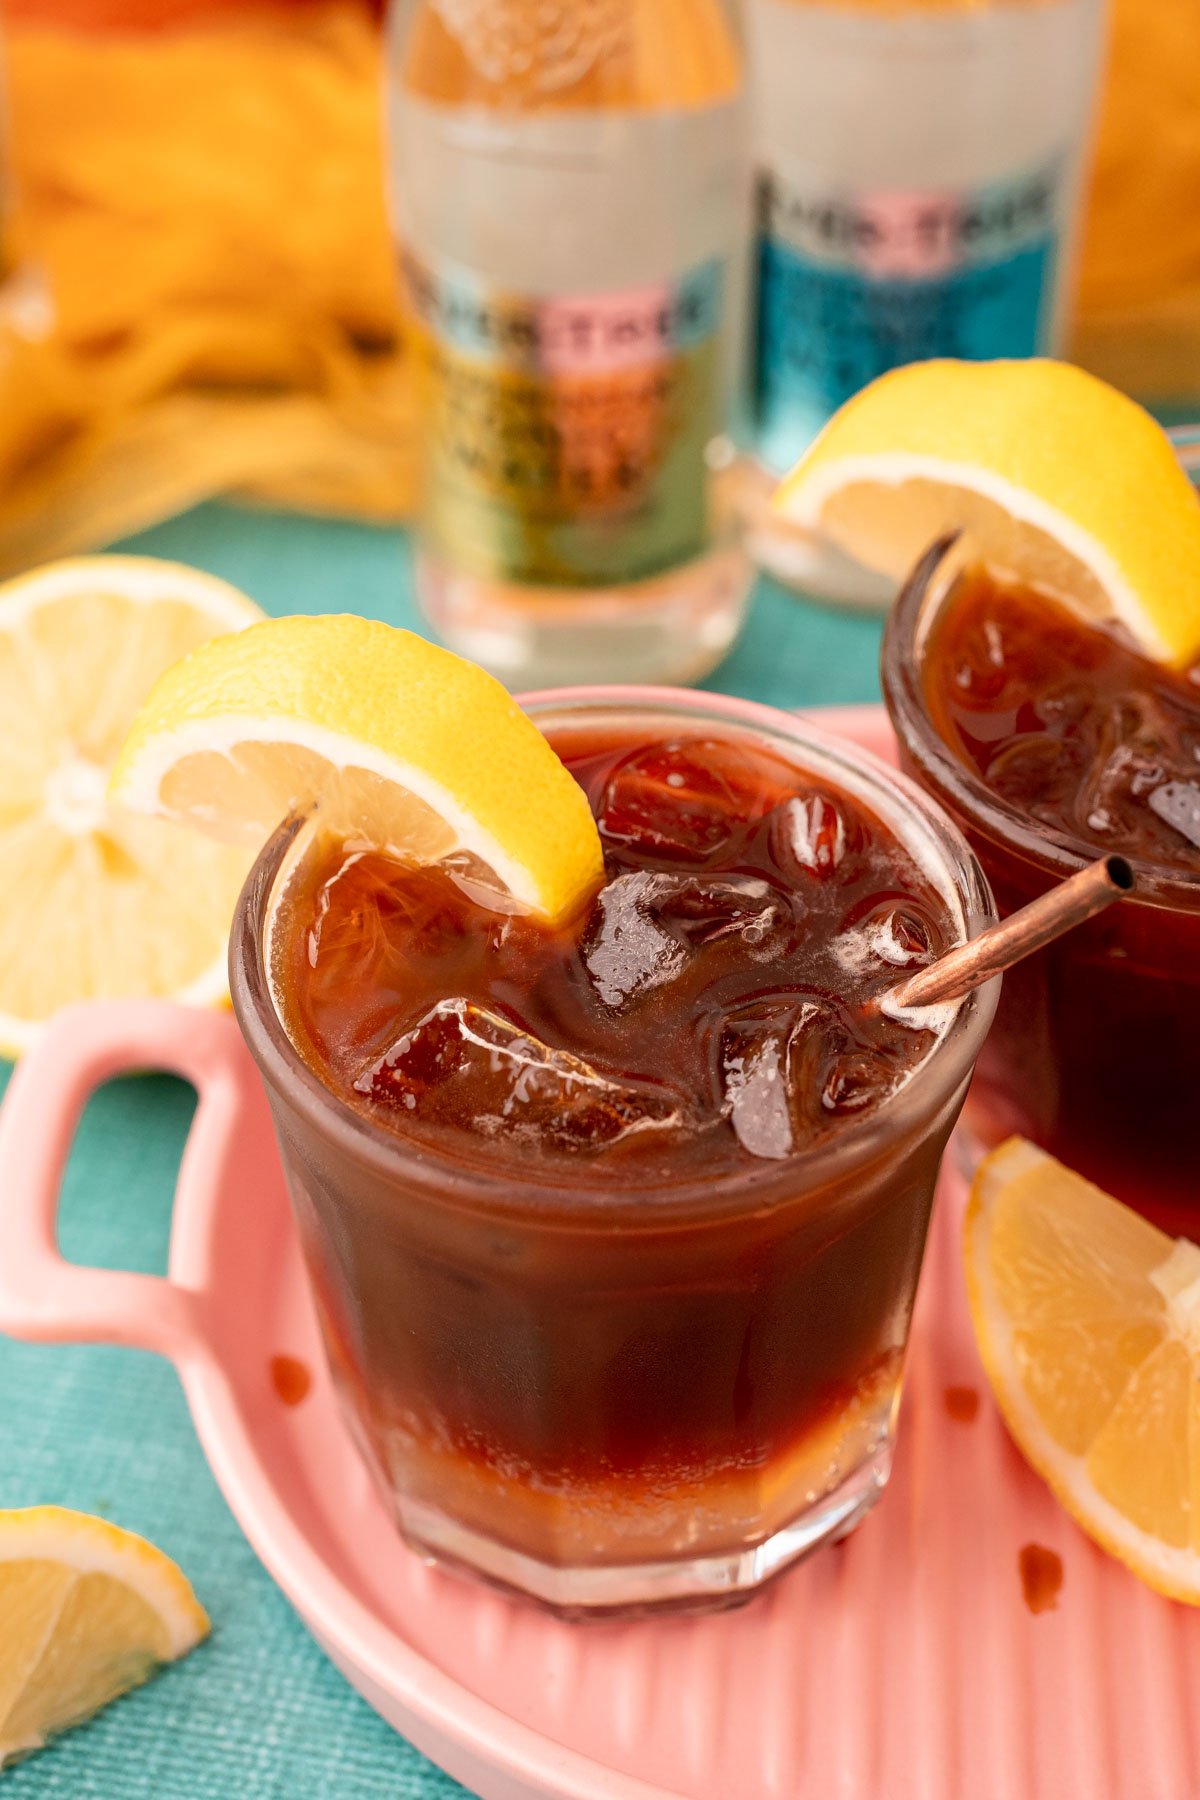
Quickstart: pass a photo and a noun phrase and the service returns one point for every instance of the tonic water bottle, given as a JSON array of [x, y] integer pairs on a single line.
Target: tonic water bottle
[[571, 191], [919, 168]]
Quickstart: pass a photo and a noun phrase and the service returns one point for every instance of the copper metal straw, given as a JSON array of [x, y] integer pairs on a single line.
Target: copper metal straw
[[969, 965]]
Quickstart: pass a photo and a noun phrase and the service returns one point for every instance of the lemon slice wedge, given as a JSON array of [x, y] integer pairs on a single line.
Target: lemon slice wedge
[[97, 903], [397, 741], [88, 1612], [1058, 479], [1088, 1322]]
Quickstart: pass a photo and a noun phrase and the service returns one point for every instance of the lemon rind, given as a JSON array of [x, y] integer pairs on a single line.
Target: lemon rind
[[138, 781], [1169, 1571], [894, 468], [92, 1546], [208, 990], [141, 580], [138, 581]]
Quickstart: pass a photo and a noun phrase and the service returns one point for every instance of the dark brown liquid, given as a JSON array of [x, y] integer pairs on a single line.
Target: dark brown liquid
[[1069, 723], [590, 1367], [713, 1005], [1041, 1573], [1095, 1051]]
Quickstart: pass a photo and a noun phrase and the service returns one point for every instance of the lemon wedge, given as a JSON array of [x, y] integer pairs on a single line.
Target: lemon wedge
[[97, 903], [88, 1612], [1058, 479], [1088, 1323], [398, 742]]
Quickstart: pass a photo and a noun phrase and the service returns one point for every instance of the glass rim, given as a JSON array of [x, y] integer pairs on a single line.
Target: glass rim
[[424, 1167], [958, 788]]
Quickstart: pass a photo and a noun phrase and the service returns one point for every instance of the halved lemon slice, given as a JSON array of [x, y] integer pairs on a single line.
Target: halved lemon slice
[[1088, 1322], [397, 741], [97, 903], [87, 1612], [1057, 478]]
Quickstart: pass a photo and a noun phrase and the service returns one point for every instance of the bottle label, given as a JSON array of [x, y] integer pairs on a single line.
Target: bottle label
[[851, 287], [567, 435]]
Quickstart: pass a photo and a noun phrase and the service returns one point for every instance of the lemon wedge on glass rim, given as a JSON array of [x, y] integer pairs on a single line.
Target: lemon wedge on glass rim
[[1058, 479], [98, 903], [1087, 1319], [88, 1611], [400, 743]]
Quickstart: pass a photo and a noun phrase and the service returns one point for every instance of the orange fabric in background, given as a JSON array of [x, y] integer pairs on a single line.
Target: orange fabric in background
[[236, 164], [205, 206]]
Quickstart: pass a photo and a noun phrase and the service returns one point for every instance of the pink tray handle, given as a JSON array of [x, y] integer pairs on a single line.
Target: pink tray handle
[[42, 1296]]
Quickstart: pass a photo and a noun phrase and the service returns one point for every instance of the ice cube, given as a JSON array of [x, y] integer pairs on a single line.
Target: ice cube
[[686, 799], [901, 937], [646, 923], [758, 1046], [756, 1094], [1136, 744], [792, 1063], [836, 1072], [810, 833], [897, 936], [626, 951], [854, 1081], [480, 884], [462, 1062], [981, 673], [1028, 766], [353, 934], [1177, 803], [704, 909]]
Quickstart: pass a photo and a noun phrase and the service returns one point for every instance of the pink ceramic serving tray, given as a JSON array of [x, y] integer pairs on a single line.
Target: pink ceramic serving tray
[[901, 1665]]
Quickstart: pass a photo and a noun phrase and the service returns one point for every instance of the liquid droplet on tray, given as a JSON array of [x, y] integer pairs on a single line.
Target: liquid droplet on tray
[[962, 1404], [291, 1379], [1041, 1577]]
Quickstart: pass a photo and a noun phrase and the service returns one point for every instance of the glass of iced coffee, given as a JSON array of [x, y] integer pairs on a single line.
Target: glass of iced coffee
[[614, 1226]]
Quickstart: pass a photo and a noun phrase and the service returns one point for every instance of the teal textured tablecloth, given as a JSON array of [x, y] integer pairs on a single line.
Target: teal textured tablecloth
[[257, 1713]]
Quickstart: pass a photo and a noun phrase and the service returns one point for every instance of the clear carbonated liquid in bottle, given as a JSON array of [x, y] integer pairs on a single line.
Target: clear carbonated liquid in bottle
[[570, 185], [919, 167]]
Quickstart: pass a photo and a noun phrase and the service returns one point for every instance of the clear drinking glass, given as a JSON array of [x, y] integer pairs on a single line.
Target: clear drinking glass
[[1095, 1052], [497, 1342]]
